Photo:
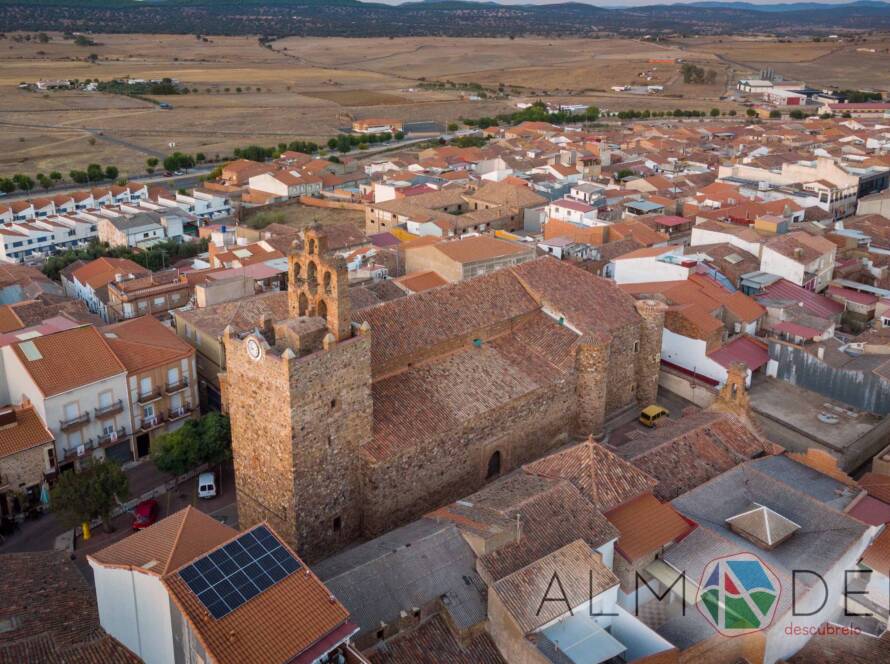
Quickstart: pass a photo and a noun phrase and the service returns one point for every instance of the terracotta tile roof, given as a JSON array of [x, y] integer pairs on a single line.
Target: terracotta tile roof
[[481, 248], [876, 485], [145, 342], [507, 194], [168, 544], [9, 321], [646, 252], [68, 359], [578, 295], [438, 315], [581, 572], [748, 350], [605, 479], [242, 314], [877, 555], [442, 395], [434, 642], [546, 522], [645, 525], [101, 271], [55, 609], [23, 431], [417, 282], [277, 625], [690, 451]]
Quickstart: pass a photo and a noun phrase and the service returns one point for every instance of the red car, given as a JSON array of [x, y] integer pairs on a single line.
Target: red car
[[145, 514]]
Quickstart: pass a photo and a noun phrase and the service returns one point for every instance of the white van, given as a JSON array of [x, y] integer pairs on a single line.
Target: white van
[[206, 485]]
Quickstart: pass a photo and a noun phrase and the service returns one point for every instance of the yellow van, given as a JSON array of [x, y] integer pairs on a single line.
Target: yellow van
[[651, 414]]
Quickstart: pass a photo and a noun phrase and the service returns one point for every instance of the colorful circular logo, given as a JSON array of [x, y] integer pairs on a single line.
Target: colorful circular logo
[[738, 594]]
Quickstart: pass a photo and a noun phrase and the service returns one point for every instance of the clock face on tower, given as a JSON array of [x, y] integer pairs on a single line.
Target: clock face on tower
[[254, 351]]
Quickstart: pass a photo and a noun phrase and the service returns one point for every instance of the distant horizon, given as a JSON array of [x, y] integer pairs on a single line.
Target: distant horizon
[[612, 4]]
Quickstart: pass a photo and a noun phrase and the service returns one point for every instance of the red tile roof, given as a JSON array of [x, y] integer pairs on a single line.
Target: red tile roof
[[605, 479], [68, 359], [751, 352], [645, 525]]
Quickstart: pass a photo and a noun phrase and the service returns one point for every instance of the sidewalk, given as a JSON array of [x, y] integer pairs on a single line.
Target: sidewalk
[[41, 534]]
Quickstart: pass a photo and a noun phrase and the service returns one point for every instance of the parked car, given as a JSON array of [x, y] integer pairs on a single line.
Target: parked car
[[145, 514], [206, 485], [651, 414]]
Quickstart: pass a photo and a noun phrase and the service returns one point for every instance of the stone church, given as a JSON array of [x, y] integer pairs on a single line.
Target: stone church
[[346, 424]]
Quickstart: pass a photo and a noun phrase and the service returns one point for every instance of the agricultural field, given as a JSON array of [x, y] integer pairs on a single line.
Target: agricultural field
[[862, 63], [242, 91]]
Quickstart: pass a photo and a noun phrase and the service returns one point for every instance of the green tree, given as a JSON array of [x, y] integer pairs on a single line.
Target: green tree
[[732, 113], [751, 113], [152, 163], [399, 135], [24, 182], [206, 440], [92, 493], [624, 173], [95, 172], [111, 172], [453, 126], [797, 114], [775, 114], [7, 186], [78, 177], [715, 112], [44, 181], [55, 176]]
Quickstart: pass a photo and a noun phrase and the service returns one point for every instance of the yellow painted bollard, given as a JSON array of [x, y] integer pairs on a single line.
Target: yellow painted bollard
[[85, 527]]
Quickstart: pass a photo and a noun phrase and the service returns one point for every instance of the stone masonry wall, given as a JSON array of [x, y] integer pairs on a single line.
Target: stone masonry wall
[[592, 368], [331, 418], [454, 465], [648, 360], [259, 410], [24, 468], [622, 384]]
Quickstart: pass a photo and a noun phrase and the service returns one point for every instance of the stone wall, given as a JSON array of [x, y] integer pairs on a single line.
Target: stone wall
[[622, 384], [331, 418], [648, 360], [24, 468], [259, 405], [454, 465], [297, 427]]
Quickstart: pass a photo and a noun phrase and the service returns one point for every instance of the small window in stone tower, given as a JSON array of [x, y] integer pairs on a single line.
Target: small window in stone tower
[[636, 346], [337, 524]]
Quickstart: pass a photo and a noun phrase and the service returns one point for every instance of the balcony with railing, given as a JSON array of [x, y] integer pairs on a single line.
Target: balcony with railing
[[149, 397], [72, 453], [112, 437], [153, 422], [111, 409], [178, 413], [74, 423], [178, 386]]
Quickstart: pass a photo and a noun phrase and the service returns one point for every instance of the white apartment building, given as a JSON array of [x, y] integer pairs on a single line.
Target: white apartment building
[[78, 386]]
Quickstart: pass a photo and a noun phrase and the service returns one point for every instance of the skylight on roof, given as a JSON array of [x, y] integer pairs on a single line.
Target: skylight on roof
[[28, 335], [30, 351], [733, 259]]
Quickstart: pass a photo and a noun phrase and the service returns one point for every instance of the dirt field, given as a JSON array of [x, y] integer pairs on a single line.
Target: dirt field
[[839, 63], [309, 88]]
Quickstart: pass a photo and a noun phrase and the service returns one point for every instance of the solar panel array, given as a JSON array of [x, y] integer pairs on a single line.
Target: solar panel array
[[226, 578]]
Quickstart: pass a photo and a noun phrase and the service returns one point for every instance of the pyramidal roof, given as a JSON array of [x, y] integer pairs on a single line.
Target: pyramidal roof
[[168, 544], [764, 525], [605, 479]]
